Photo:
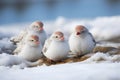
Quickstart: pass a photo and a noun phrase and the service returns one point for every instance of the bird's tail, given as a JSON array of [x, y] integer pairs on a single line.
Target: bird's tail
[[33, 64]]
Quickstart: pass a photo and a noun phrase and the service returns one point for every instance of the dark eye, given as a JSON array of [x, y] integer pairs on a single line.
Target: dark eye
[[82, 31], [32, 40], [37, 26], [56, 36]]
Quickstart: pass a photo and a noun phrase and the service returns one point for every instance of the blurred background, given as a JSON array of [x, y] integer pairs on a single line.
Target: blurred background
[[18, 11]]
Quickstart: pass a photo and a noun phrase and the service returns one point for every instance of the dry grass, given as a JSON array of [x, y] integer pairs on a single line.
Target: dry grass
[[67, 60]]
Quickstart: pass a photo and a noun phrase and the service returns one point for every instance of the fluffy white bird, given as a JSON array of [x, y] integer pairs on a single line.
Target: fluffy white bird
[[35, 28], [47, 43], [81, 41], [32, 49], [58, 48]]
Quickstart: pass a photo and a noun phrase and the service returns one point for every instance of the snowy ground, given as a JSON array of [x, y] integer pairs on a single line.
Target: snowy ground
[[73, 71], [92, 69]]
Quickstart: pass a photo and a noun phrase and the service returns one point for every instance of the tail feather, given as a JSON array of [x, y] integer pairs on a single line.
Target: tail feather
[[33, 64]]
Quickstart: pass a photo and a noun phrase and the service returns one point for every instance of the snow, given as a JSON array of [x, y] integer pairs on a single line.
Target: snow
[[99, 27], [9, 60], [6, 46], [89, 69], [100, 66], [108, 44], [76, 71], [102, 57]]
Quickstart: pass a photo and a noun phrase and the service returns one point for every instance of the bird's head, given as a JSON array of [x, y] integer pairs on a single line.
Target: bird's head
[[80, 29], [33, 40], [58, 36], [36, 26]]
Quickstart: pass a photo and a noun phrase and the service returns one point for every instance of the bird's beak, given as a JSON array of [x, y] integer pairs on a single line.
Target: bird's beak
[[78, 33], [41, 28], [62, 38], [37, 42]]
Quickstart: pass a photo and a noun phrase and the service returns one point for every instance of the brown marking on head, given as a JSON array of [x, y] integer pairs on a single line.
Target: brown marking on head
[[38, 23], [35, 37], [59, 33], [79, 28], [37, 26]]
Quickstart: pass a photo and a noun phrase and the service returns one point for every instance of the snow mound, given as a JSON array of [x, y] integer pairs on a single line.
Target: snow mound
[[105, 27], [11, 60], [108, 44], [103, 57], [6, 46]]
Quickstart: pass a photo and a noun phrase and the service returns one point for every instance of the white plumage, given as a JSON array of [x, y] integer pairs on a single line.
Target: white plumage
[[81, 41], [58, 48], [32, 49], [47, 43]]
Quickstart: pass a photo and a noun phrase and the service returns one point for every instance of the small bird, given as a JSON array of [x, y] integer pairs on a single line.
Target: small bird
[[47, 43], [32, 49], [81, 41], [35, 28], [58, 48]]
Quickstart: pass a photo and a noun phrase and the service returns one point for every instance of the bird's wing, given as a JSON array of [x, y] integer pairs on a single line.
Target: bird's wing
[[92, 38], [46, 45], [19, 38], [19, 48]]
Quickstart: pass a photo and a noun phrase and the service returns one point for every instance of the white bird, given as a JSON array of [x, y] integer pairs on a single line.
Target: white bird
[[58, 48], [32, 49], [47, 43], [35, 28], [81, 41]]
